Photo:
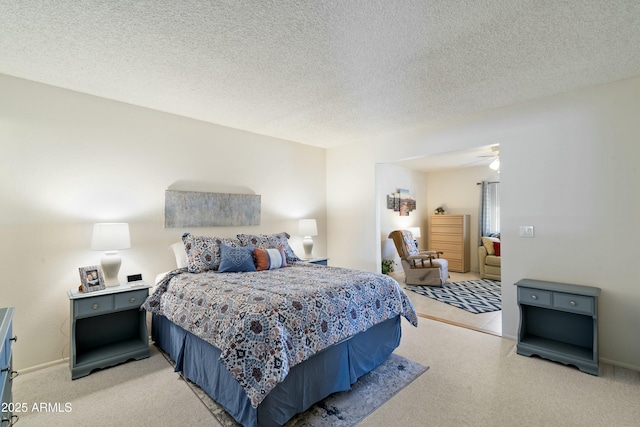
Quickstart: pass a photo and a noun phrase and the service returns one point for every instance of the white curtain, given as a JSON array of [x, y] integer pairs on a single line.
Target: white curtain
[[489, 216]]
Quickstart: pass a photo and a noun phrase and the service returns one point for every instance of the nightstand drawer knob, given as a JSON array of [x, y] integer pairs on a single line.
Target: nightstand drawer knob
[[132, 299], [12, 421], [534, 296], [94, 306], [572, 303]]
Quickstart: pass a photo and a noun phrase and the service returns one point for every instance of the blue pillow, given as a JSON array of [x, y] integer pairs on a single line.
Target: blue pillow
[[236, 259]]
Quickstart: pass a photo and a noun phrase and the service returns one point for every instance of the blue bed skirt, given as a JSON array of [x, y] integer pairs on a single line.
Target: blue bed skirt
[[332, 370]]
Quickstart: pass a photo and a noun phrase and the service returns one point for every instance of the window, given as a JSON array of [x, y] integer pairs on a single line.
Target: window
[[490, 209]]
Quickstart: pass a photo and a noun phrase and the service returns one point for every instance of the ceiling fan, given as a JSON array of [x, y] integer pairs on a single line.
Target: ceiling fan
[[494, 157]]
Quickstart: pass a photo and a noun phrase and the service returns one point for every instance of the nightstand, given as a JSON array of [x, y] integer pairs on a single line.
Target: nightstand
[[559, 322], [319, 261], [7, 374], [107, 327]]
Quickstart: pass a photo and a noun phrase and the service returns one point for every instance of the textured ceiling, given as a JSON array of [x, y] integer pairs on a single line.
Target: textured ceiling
[[323, 73]]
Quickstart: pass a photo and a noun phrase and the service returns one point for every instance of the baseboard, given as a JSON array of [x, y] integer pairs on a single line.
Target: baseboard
[[43, 366], [461, 325], [619, 364]]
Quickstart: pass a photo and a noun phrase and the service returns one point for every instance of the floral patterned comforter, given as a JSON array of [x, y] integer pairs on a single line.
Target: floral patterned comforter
[[266, 322]]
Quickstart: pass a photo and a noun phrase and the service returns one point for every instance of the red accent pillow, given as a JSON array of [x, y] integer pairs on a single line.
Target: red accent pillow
[[496, 247]]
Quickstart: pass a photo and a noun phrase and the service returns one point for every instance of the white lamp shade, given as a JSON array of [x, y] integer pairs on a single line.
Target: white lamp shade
[[307, 227], [110, 236], [415, 231]]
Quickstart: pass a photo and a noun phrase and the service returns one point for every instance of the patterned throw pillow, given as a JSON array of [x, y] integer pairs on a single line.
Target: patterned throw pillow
[[270, 241], [270, 259], [203, 253], [236, 260]]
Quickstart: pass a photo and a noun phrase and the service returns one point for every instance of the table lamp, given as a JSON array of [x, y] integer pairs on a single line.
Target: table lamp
[[307, 228], [416, 233], [110, 237]]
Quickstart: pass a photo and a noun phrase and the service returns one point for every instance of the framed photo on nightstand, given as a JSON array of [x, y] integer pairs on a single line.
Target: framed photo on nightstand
[[91, 278]]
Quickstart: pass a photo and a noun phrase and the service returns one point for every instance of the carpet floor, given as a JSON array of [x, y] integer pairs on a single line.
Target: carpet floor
[[345, 408], [474, 296], [474, 379]]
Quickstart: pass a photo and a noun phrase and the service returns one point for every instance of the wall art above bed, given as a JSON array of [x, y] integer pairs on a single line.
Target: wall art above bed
[[200, 209]]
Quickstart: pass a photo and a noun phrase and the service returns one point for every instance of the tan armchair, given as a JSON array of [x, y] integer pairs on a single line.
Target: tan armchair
[[420, 267], [489, 260]]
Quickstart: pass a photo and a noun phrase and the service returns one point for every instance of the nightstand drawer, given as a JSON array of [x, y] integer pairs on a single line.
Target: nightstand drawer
[[575, 303], [534, 297], [130, 299], [93, 306]]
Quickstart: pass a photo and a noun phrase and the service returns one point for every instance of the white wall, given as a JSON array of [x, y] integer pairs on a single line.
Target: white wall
[[457, 191], [389, 179], [68, 160], [568, 167]]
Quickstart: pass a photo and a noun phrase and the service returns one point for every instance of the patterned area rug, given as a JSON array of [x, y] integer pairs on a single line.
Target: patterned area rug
[[346, 408], [475, 296]]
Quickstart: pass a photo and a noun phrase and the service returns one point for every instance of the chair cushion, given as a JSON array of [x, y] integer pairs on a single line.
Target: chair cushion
[[409, 243], [492, 260]]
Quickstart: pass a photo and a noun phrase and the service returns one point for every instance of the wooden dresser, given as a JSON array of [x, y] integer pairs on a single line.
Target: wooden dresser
[[450, 234]]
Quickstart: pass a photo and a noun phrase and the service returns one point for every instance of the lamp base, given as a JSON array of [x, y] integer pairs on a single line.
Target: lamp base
[[110, 264], [307, 244]]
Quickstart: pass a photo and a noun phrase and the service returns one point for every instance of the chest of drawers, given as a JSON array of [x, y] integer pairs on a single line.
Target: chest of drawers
[[559, 322], [450, 234], [7, 374], [107, 328]]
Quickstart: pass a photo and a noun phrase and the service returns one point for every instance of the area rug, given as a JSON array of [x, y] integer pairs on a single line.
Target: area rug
[[474, 296], [345, 408]]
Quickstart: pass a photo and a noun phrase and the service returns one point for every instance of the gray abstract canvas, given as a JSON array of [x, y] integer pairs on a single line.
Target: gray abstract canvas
[[199, 209]]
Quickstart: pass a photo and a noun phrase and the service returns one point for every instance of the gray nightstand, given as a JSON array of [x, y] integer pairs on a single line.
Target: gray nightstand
[[7, 374], [559, 322], [107, 327], [319, 261]]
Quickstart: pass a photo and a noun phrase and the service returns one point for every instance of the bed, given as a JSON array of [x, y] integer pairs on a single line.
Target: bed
[[269, 343]]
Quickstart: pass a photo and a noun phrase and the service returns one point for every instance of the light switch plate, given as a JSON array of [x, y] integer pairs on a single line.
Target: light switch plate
[[526, 231]]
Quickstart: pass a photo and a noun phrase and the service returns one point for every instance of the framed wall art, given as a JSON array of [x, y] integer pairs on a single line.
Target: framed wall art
[[401, 202]]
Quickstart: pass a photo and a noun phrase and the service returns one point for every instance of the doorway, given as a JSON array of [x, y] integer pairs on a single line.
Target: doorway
[[449, 181]]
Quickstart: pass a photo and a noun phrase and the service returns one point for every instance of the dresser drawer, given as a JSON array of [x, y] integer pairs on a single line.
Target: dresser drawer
[[444, 230], [93, 306], [439, 245], [455, 265], [440, 220], [452, 255], [130, 299], [574, 303], [534, 297], [6, 334], [5, 391]]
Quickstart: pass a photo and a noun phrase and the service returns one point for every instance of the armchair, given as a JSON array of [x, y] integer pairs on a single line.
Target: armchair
[[489, 258], [420, 267]]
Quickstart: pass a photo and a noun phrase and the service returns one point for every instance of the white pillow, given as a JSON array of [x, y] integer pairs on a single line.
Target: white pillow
[[159, 277], [487, 242], [180, 253]]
